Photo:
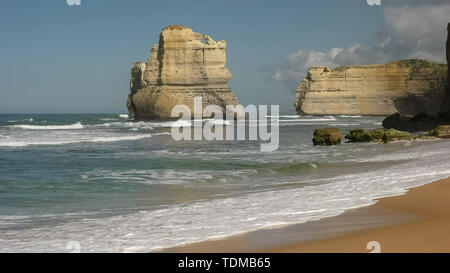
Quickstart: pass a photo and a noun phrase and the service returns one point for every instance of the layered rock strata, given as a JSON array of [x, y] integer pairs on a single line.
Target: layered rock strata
[[408, 87], [422, 121], [183, 65]]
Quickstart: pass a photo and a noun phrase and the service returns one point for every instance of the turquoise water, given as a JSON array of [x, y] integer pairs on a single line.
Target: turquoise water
[[111, 184]]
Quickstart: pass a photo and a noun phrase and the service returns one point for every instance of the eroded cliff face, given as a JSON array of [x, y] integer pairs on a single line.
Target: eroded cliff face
[[408, 87], [182, 66], [446, 104]]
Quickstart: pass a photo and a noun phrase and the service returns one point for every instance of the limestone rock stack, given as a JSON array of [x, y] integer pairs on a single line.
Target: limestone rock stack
[[183, 65], [408, 87]]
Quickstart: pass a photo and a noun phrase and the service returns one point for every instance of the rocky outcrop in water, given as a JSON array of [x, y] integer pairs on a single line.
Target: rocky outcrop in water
[[377, 135], [183, 65], [419, 122], [327, 136], [441, 131], [408, 87]]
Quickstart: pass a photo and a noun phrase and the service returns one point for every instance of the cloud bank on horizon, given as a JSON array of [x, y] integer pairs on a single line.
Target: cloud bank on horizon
[[412, 30]]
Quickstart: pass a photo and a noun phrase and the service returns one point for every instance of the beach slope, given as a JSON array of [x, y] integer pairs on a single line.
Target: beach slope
[[429, 232]]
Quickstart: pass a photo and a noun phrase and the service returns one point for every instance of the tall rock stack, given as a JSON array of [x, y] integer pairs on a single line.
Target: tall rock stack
[[183, 65], [408, 87], [446, 103]]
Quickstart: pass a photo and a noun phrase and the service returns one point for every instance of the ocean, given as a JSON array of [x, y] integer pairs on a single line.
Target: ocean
[[107, 184]]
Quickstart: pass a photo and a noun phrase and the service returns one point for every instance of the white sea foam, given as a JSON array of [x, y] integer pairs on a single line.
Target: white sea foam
[[123, 116], [147, 125], [161, 134], [173, 177], [45, 141], [351, 116], [327, 118], [178, 123], [218, 121], [345, 124], [127, 124], [284, 116], [74, 126], [21, 120]]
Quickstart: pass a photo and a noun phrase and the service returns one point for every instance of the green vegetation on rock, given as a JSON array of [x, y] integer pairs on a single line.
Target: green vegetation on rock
[[332, 136], [441, 131], [327, 136], [378, 135]]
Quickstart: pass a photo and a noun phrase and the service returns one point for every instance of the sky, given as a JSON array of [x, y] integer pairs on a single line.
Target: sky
[[56, 58]]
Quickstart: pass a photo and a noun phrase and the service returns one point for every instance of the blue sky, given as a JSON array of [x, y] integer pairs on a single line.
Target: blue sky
[[59, 58]]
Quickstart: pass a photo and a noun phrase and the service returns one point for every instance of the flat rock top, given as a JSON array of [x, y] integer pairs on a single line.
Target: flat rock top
[[171, 27], [405, 64], [175, 36]]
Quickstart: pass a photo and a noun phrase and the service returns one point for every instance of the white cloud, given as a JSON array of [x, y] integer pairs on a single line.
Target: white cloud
[[407, 32]]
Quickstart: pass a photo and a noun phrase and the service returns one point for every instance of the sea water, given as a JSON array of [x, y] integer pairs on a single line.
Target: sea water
[[108, 184]]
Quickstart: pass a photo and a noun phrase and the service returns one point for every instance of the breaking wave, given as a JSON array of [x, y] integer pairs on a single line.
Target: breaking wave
[[74, 126], [24, 143]]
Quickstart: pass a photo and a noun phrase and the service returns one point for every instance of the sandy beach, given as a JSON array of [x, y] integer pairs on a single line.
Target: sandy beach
[[417, 221], [428, 233]]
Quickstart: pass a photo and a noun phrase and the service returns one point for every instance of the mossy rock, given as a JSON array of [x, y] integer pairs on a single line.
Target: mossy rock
[[424, 136], [441, 131], [327, 136], [378, 135]]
